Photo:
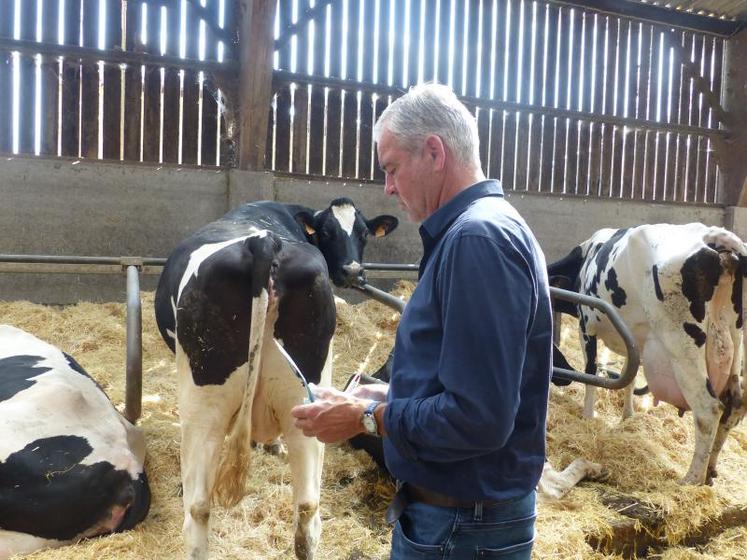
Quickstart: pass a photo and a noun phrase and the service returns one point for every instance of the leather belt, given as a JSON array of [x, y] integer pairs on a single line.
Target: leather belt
[[419, 494]]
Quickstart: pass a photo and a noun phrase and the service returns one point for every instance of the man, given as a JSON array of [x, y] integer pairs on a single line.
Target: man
[[463, 419]]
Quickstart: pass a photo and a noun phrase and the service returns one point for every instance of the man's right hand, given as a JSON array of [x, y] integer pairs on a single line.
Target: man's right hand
[[372, 391]]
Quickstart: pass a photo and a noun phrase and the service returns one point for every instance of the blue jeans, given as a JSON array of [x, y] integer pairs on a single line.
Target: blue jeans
[[505, 531]]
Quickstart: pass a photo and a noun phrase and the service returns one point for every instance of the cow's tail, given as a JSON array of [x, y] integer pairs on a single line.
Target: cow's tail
[[733, 252], [230, 482]]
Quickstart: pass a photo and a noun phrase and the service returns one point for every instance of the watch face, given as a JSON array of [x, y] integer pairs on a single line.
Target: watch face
[[369, 423]]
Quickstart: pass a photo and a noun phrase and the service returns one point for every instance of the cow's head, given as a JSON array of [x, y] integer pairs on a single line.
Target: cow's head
[[565, 274], [341, 232]]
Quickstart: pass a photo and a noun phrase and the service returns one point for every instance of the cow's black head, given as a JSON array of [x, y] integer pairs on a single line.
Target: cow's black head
[[341, 232]]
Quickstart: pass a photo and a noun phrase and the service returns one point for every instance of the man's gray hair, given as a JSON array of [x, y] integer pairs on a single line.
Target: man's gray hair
[[432, 109]]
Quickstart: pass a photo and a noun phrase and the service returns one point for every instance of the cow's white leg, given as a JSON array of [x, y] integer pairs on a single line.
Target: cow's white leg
[[554, 484], [690, 373], [735, 399], [305, 456], [205, 413], [628, 400]]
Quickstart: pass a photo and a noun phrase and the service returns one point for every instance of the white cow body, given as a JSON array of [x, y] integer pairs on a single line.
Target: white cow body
[[678, 288], [60, 436]]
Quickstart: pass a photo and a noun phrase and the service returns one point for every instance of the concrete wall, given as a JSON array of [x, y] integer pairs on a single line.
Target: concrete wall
[[68, 207]]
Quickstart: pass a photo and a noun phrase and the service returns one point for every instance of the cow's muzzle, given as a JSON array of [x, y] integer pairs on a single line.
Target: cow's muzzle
[[355, 274]]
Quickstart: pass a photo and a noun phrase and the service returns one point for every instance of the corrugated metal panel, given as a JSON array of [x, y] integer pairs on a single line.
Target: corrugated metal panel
[[724, 9]]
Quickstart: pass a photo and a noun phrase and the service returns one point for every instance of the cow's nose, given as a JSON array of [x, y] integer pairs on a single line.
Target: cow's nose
[[354, 271]]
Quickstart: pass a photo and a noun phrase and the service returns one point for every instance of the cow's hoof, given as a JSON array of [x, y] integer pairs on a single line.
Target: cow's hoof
[[595, 471]]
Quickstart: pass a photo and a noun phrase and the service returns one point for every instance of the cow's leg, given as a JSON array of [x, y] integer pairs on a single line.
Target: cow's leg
[[734, 399], [554, 484], [205, 413], [590, 351], [691, 376], [305, 455], [628, 400], [13, 543]]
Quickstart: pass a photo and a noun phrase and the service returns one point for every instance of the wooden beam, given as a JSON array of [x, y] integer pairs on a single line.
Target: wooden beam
[[203, 13], [657, 14], [730, 151], [87, 54], [692, 70], [255, 80], [282, 77], [307, 16]]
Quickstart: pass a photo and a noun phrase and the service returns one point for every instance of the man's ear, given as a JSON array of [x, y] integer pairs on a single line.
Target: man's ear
[[436, 150], [382, 225], [306, 221]]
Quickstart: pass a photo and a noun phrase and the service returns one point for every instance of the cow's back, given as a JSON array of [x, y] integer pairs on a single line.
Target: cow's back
[[70, 463], [245, 220]]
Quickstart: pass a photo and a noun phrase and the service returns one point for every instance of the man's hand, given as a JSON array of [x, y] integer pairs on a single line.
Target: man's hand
[[334, 416], [371, 391]]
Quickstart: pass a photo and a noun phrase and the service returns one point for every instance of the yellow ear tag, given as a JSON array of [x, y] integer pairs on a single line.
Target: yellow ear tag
[[380, 231], [310, 230]]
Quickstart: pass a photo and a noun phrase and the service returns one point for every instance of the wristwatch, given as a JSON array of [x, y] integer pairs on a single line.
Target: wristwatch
[[369, 420]]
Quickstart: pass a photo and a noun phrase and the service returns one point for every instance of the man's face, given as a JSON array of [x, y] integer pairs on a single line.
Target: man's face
[[408, 176]]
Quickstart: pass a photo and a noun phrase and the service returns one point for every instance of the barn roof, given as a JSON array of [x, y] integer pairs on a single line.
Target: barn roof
[[720, 17]]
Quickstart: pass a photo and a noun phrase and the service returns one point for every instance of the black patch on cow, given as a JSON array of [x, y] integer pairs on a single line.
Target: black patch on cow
[[564, 274], [601, 258], [590, 351], [16, 373], [736, 293], [559, 361], [700, 274], [695, 332], [709, 388], [140, 504], [657, 286], [47, 493], [617, 293]]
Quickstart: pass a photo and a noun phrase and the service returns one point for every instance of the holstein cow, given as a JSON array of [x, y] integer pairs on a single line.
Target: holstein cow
[[262, 270], [71, 466], [679, 288], [553, 484]]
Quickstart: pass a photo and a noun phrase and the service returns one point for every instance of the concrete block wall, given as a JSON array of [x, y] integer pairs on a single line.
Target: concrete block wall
[[72, 207]]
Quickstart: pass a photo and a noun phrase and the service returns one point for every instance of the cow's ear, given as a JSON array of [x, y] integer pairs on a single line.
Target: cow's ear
[[306, 221], [382, 225]]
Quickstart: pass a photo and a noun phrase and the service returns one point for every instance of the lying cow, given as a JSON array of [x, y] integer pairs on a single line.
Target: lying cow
[[261, 271], [71, 466], [679, 289], [553, 484]]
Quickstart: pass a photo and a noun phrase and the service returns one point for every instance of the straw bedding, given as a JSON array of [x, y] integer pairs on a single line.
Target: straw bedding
[[644, 455]]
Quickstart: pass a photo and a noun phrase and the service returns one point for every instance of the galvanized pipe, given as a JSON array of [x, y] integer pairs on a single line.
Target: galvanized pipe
[[632, 359], [380, 295], [63, 259], [392, 266], [134, 374]]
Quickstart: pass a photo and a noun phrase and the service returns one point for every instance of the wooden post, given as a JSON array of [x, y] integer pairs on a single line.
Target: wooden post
[[255, 80], [732, 188]]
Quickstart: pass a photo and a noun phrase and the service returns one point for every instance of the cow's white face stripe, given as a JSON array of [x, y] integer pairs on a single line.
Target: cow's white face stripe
[[199, 255], [345, 216]]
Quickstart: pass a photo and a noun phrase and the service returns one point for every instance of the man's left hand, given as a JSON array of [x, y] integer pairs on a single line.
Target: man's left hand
[[334, 416]]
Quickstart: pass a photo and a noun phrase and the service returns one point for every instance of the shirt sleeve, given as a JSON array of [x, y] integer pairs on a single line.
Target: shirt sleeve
[[487, 296]]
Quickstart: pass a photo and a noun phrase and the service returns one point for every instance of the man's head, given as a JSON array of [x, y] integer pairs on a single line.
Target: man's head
[[428, 148]]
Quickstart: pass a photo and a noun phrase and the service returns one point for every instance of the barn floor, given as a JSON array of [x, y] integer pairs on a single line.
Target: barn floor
[[644, 456]]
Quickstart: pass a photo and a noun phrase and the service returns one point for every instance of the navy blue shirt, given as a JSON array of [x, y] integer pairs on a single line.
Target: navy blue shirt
[[467, 400]]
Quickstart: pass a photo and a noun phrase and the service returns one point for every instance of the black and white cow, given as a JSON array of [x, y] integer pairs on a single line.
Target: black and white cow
[[679, 289], [261, 271], [71, 466]]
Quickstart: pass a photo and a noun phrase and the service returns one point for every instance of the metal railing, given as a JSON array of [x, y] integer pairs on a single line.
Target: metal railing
[[614, 381]]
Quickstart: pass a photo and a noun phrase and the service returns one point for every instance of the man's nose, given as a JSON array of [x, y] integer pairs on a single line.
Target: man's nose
[[389, 186]]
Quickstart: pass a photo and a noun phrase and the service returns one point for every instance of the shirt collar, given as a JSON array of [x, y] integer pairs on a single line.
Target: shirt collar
[[435, 224]]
